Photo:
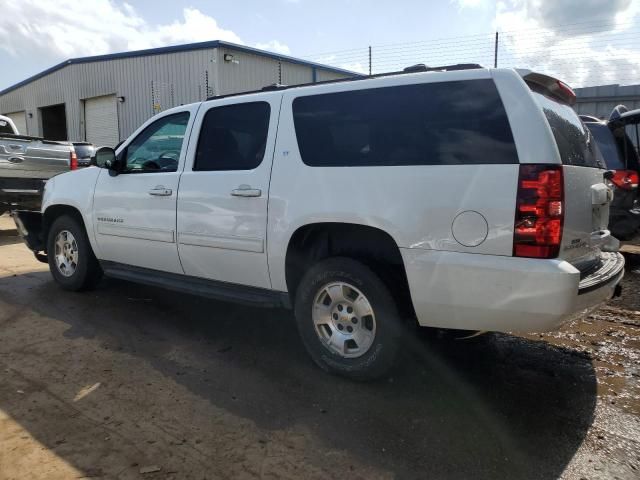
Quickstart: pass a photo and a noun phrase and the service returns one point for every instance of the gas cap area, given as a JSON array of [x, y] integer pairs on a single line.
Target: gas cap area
[[470, 228]]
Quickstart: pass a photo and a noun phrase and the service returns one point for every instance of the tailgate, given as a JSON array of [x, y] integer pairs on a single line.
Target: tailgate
[[586, 196], [586, 215], [22, 158]]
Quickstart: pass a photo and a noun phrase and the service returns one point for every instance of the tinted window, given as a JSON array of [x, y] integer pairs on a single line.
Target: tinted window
[[5, 127], [574, 140], [607, 145], [448, 123], [83, 151], [158, 147], [233, 137]]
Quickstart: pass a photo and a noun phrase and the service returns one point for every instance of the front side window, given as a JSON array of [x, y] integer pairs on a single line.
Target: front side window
[[233, 137], [158, 147], [444, 123]]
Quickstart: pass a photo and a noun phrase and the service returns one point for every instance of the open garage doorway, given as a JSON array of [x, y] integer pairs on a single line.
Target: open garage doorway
[[54, 122]]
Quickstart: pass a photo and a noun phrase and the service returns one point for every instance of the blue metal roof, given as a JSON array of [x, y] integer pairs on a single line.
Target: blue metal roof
[[176, 49]]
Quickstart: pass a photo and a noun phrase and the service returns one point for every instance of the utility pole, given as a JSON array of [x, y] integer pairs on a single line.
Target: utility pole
[[495, 53], [370, 60]]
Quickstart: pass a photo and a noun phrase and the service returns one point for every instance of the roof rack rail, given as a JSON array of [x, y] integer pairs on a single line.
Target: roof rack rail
[[274, 86], [418, 67], [412, 69]]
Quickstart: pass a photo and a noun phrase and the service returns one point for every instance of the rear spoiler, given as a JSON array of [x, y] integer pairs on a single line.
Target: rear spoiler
[[552, 86]]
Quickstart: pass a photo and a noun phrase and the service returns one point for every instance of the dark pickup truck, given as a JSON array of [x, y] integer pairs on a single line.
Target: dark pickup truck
[[26, 163]]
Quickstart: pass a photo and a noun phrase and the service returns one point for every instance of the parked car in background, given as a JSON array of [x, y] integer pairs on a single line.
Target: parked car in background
[[84, 152], [618, 140], [461, 198], [26, 163]]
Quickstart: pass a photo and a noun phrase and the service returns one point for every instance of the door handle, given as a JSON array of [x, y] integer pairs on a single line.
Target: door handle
[[246, 191], [16, 160], [160, 191]]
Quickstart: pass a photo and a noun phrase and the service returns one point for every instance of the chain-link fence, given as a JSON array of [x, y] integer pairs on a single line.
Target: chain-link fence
[[582, 54]]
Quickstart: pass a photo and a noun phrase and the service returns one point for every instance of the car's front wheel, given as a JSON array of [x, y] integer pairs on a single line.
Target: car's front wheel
[[71, 260], [347, 319]]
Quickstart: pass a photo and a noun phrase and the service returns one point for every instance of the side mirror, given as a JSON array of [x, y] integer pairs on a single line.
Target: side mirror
[[105, 157]]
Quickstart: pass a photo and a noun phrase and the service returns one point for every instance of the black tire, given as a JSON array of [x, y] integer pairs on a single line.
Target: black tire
[[380, 356], [87, 273]]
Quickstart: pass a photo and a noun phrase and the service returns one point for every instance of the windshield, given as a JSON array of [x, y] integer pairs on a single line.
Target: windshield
[[607, 145]]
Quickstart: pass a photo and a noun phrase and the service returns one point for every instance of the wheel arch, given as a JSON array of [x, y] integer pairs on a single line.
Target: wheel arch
[[372, 246], [53, 212]]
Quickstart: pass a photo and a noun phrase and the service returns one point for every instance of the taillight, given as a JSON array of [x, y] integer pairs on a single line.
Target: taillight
[[625, 179], [539, 212], [73, 161]]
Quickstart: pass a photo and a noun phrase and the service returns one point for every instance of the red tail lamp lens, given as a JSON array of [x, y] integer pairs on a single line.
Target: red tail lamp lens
[[539, 211], [625, 179]]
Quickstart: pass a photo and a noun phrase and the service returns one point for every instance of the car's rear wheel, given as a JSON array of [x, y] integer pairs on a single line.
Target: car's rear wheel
[[71, 260], [347, 319]]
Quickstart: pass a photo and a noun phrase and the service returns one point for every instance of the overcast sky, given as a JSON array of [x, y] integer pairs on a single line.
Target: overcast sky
[[586, 40]]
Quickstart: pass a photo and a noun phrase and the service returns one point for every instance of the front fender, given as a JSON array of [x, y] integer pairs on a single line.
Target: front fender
[[74, 189]]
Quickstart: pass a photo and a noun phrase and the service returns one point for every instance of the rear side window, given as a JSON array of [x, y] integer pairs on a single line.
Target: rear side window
[[607, 145], [233, 137], [574, 140], [448, 123]]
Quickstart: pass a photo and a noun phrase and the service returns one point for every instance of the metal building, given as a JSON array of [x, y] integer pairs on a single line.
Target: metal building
[[103, 99], [600, 101]]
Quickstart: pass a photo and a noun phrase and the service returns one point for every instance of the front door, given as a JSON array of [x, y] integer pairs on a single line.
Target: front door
[[222, 202], [135, 211]]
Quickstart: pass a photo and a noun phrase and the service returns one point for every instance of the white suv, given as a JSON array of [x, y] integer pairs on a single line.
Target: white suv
[[466, 199]]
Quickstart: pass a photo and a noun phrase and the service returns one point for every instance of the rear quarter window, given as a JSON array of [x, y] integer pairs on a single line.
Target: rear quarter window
[[575, 143], [444, 123]]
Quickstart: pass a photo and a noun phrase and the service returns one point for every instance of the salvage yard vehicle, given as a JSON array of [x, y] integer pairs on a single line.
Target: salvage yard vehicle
[[461, 197], [618, 140], [85, 151], [26, 163]]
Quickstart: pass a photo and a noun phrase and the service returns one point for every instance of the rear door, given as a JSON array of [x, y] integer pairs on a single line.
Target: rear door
[[222, 201], [586, 197]]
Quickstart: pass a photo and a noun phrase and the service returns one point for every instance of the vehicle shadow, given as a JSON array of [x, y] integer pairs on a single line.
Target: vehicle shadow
[[495, 407]]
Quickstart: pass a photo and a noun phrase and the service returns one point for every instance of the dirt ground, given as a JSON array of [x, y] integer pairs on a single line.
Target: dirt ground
[[134, 382]]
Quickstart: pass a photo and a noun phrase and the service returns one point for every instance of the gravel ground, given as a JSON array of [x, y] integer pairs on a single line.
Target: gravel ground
[[134, 382]]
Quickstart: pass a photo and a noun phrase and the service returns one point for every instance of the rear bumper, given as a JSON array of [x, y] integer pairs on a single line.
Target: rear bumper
[[509, 294]]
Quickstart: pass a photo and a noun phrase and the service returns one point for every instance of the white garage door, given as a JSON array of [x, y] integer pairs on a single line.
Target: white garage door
[[20, 121], [101, 121]]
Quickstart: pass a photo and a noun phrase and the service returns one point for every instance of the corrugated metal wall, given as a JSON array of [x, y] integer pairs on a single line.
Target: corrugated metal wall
[[600, 101], [150, 84]]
